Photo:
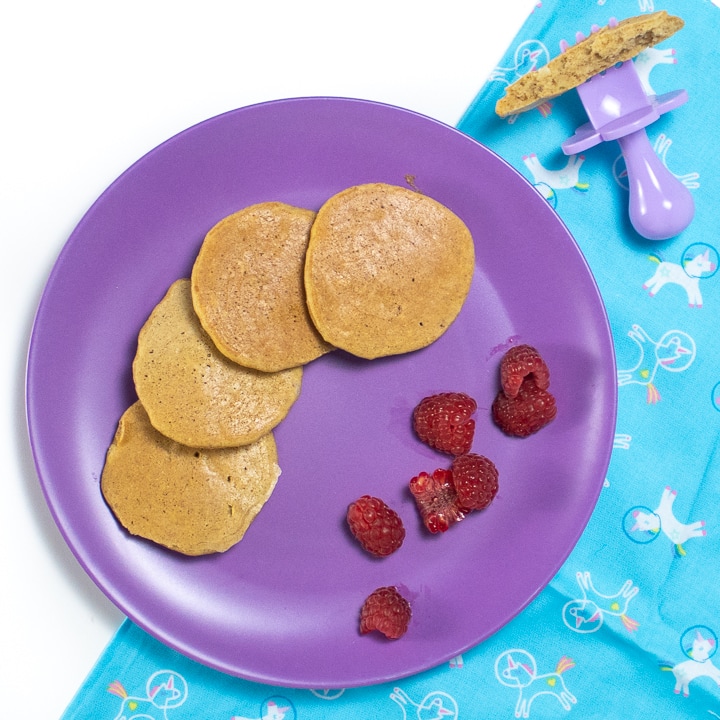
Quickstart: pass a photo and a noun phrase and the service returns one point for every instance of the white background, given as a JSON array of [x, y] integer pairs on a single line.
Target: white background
[[87, 87]]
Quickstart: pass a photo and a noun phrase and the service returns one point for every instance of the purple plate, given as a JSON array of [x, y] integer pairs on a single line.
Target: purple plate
[[281, 607]]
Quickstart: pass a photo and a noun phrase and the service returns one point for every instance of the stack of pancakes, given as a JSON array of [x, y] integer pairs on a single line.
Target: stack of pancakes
[[378, 270]]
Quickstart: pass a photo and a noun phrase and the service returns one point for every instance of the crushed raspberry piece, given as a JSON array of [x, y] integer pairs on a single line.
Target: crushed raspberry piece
[[525, 414], [444, 422], [386, 611], [476, 480], [436, 499], [377, 527], [520, 362]]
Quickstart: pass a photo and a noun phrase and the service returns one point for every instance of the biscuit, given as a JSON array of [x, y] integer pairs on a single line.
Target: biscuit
[[195, 395], [599, 51], [387, 269], [247, 287], [191, 501]]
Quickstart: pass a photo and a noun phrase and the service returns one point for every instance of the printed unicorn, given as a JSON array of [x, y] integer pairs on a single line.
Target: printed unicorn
[[622, 441], [650, 58], [273, 712], [586, 614], [548, 181], [687, 276], [517, 668], [164, 690], [698, 665], [663, 518], [436, 705], [661, 146], [528, 56], [674, 352]]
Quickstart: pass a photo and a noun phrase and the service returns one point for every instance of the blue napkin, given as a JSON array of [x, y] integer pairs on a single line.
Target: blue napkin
[[629, 626]]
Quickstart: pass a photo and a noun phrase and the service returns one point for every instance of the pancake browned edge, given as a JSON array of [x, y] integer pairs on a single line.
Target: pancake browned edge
[[247, 287], [387, 269], [194, 502], [596, 53], [195, 395]]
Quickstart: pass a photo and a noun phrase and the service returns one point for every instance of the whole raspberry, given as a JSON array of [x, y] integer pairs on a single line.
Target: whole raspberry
[[377, 527], [444, 422], [386, 611], [518, 363], [476, 480], [436, 499], [525, 414]]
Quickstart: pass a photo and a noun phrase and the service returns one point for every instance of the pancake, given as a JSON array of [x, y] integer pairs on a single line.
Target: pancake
[[195, 395], [195, 502], [387, 270], [247, 288]]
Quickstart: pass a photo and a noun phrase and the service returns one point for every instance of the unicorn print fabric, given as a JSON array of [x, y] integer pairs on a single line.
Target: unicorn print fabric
[[629, 625]]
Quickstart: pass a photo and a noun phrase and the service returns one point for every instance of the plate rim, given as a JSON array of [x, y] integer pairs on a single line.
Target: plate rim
[[612, 401]]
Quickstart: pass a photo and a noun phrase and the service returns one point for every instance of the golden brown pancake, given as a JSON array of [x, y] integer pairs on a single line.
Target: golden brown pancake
[[247, 287], [192, 501], [387, 269], [195, 395]]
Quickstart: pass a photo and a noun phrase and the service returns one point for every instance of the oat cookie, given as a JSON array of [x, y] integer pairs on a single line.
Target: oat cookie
[[599, 51]]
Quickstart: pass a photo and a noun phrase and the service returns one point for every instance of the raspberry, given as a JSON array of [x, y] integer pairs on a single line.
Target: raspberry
[[518, 363], [377, 527], [476, 481], [525, 414], [386, 611], [436, 499], [444, 422]]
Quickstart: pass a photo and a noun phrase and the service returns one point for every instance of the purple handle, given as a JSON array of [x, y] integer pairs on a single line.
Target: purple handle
[[661, 207]]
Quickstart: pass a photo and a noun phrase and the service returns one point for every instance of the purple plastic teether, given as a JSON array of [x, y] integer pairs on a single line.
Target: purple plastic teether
[[618, 109]]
